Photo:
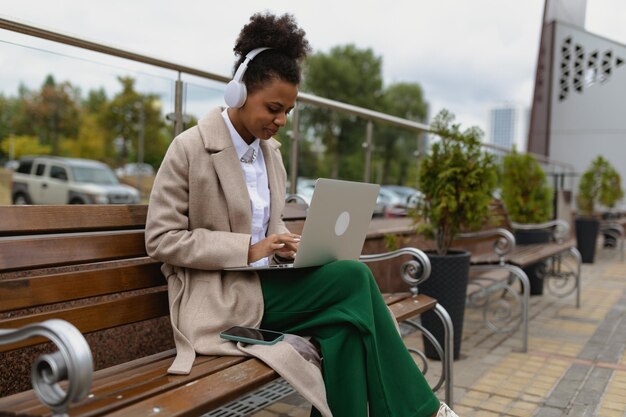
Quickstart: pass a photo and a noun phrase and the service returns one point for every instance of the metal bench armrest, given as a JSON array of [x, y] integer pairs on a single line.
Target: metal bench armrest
[[295, 198], [72, 362], [502, 246], [612, 227], [560, 228], [414, 271]]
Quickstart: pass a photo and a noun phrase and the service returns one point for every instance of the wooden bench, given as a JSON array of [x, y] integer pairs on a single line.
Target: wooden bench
[[87, 265], [496, 250]]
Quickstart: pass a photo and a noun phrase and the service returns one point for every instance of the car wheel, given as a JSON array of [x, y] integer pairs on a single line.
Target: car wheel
[[20, 199], [77, 201]]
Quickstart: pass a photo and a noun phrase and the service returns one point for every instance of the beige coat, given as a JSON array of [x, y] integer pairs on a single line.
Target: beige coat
[[199, 222]]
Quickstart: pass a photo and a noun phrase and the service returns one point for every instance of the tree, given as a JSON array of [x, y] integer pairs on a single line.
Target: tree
[[9, 107], [131, 115], [96, 101], [25, 145], [347, 74], [397, 145], [50, 113], [91, 141]]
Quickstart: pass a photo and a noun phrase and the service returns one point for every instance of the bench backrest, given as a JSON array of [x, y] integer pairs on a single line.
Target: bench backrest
[[84, 264]]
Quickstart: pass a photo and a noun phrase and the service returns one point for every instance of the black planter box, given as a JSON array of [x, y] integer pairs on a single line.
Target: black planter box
[[448, 285], [535, 272], [586, 237]]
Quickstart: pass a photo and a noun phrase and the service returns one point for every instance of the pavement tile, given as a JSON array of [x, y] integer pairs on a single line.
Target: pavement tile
[[477, 395], [614, 405], [483, 413], [519, 412], [497, 408], [548, 412], [462, 410], [607, 412]]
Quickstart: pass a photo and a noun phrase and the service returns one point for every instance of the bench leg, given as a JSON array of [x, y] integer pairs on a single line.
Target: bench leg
[[579, 260], [446, 353], [563, 282], [521, 276]]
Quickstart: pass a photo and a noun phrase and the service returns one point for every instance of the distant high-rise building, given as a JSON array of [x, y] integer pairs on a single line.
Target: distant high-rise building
[[508, 126]]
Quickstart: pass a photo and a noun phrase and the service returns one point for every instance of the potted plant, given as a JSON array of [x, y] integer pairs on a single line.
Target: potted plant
[[527, 199], [457, 179], [600, 183]]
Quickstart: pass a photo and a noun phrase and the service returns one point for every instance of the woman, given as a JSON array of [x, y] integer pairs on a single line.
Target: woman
[[217, 202]]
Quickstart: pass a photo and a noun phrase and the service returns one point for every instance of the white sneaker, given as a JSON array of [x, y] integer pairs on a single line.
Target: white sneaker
[[445, 411]]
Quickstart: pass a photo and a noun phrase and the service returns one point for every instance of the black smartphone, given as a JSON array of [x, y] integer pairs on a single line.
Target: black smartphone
[[252, 335]]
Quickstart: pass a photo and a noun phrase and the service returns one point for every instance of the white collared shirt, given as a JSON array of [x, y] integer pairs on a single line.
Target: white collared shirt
[[255, 174]]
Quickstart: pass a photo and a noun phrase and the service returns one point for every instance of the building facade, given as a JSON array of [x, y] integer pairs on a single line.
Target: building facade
[[508, 126]]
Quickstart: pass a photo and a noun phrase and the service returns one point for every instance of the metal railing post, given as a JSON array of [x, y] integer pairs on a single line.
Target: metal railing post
[[178, 107], [293, 158], [368, 151]]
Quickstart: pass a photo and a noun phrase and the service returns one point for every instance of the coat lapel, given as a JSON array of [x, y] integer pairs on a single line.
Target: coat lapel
[[218, 143], [269, 148], [233, 183]]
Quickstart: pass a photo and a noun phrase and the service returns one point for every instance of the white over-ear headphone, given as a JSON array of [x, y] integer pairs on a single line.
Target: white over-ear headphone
[[235, 93]]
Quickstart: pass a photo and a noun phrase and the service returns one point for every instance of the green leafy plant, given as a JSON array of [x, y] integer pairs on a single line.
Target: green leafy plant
[[600, 183], [457, 179], [525, 192]]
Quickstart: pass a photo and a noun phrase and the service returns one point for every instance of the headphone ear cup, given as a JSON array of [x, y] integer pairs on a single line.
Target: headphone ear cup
[[235, 94]]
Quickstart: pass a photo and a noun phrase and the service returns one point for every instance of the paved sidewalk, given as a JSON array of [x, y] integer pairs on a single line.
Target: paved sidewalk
[[575, 365]]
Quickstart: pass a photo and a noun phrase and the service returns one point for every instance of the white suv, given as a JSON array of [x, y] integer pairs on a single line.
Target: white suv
[[56, 180]]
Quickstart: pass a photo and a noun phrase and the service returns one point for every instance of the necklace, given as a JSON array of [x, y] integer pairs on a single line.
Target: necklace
[[249, 157]]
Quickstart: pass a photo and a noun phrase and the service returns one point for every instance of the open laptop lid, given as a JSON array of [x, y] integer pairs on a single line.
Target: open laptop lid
[[336, 224]]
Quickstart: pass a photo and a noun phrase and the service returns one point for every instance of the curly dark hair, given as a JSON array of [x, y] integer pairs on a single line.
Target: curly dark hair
[[289, 48]]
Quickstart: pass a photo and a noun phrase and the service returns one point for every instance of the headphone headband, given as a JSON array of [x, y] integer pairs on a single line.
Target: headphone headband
[[241, 70], [235, 93]]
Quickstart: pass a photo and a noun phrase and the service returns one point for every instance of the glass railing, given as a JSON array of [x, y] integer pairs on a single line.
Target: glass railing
[[68, 97]]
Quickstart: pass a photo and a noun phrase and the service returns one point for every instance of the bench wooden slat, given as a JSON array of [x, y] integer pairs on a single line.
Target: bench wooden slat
[[70, 218], [29, 292], [530, 254], [131, 385], [152, 384], [394, 297], [32, 253], [525, 255], [206, 393], [97, 316], [412, 306], [101, 378]]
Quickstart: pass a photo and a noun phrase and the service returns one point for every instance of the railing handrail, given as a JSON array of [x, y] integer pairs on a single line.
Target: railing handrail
[[15, 25]]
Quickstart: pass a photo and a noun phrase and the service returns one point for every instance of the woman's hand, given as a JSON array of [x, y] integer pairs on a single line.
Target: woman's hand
[[285, 245]]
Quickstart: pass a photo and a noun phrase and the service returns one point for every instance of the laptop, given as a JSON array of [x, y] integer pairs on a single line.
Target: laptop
[[336, 224]]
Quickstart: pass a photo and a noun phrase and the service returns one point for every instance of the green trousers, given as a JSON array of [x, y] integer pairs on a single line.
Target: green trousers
[[365, 362]]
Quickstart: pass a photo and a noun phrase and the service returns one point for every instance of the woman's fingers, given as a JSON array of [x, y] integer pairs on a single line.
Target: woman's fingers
[[276, 246], [289, 238]]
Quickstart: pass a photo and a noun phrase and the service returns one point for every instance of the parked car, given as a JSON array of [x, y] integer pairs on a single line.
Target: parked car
[[387, 202], [403, 191], [56, 180], [133, 169], [12, 164], [304, 189]]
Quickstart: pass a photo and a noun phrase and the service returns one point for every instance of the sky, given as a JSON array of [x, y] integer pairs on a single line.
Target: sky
[[468, 56]]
